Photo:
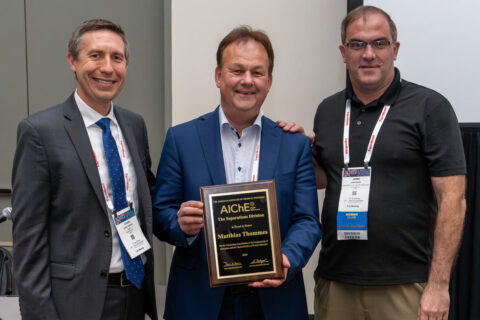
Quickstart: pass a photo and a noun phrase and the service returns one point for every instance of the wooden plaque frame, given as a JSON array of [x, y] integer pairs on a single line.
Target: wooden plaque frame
[[257, 254]]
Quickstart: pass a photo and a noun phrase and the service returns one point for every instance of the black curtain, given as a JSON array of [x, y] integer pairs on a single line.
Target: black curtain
[[352, 4], [465, 281]]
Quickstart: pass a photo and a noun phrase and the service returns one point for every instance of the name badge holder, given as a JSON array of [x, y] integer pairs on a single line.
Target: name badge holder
[[130, 233], [125, 220], [353, 203]]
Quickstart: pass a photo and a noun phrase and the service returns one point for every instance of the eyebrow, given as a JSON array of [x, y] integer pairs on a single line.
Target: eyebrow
[[103, 51], [382, 38], [239, 65]]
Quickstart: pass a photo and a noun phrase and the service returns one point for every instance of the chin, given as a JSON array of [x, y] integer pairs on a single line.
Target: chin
[[244, 108], [371, 80], [244, 105], [107, 97]]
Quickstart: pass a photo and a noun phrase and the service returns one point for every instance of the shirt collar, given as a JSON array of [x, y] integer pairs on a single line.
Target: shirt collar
[[89, 115], [388, 97], [224, 121]]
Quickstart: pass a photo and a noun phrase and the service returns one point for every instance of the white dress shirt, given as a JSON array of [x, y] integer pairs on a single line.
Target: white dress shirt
[[90, 117]]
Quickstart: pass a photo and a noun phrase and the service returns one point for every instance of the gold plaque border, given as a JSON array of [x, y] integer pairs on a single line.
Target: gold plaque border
[[210, 196], [268, 186]]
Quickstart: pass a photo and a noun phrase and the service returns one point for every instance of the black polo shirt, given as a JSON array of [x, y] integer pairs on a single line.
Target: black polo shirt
[[420, 138]]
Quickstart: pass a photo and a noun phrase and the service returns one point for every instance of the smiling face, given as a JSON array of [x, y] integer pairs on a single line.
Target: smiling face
[[371, 70], [243, 81], [100, 68]]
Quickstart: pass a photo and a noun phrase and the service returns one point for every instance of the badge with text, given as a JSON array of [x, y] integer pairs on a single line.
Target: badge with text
[[242, 232], [130, 232], [353, 204]]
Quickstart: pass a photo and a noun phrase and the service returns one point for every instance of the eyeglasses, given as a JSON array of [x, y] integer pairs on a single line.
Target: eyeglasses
[[375, 44]]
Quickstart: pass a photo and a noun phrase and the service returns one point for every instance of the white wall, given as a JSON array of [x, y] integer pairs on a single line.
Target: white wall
[[308, 66], [305, 37], [439, 48]]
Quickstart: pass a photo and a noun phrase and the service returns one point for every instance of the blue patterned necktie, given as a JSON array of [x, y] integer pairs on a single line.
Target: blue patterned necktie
[[133, 267]]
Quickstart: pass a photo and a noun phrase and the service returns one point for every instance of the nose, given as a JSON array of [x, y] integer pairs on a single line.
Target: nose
[[247, 78], [369, 53], [106, 65]]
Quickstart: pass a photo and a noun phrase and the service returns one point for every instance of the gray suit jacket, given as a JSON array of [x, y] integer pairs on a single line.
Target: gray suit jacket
[[61, 232]]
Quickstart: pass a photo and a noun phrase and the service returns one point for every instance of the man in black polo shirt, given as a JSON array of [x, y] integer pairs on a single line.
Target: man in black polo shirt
[[394, 203]]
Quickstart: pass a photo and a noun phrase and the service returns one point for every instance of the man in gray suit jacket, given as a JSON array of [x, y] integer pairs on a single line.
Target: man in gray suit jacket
[[68, 258]]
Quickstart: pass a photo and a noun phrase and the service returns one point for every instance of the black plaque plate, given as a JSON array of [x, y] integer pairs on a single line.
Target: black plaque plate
[[242, 232]]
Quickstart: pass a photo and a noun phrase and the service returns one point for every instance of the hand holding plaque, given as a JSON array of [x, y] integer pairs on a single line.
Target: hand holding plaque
[[267, 283], [190, 217], [242, 233]]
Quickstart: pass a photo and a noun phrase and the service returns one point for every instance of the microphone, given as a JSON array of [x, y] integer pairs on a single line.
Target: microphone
[[6, 214]]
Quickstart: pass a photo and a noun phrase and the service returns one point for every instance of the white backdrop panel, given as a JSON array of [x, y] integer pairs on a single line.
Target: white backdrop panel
[[440, 48]]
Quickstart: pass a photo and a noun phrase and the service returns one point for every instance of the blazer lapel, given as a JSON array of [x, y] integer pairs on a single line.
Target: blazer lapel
[[269, 149], [208, 129], [75, 128]]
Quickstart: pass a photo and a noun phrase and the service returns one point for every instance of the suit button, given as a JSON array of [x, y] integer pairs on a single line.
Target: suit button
[[107, 233], [103, 273]]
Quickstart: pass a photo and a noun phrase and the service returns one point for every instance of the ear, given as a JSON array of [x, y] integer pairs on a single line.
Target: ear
[[270, 80], [218, 74], [342, 51], [71, 61], [395, 50]]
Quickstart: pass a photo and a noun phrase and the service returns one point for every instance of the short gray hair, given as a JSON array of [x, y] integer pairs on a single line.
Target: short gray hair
[[363, 11], [75, 42]]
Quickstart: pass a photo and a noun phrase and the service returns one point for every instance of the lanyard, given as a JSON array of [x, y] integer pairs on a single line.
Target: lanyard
[[373, 138], [123, 159], [256, 161]]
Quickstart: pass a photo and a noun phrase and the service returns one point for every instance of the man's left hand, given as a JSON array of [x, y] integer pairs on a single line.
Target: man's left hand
[[434, 304], [273, 282]]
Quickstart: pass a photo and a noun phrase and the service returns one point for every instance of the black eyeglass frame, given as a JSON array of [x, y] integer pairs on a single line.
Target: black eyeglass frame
[[377, 44]]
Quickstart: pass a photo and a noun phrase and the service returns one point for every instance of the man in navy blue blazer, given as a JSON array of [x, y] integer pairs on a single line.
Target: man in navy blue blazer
[[221, 147]]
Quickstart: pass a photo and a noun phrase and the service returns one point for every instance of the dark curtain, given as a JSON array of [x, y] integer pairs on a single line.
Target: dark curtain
[[465, 281], [352, 4]]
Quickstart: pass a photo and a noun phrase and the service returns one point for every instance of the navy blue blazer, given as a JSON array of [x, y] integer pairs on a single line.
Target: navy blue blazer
[[192, 157]]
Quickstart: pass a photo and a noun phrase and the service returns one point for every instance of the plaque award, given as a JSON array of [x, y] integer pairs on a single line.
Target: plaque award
[[242, 233]]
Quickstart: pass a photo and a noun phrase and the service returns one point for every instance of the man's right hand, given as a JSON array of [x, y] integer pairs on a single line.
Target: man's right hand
[[294, 128], [190, 217]]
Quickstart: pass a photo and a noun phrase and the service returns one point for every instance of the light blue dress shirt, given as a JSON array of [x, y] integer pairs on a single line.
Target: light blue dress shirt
[[239, 151]]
